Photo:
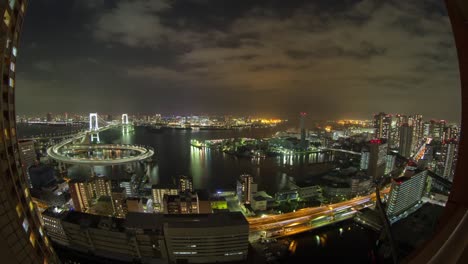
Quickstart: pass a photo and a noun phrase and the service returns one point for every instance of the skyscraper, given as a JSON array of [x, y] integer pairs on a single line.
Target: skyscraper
[[406, 191], [28, 157], [398, 121], [382, 125], [377, 153], [21, 236], [406, 140], [437, 128], [101, 187], [449, 154], [81, 194], [246, 188], [417, 123]]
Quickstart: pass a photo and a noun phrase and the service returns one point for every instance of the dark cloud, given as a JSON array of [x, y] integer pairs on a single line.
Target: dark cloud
[[278, 57]]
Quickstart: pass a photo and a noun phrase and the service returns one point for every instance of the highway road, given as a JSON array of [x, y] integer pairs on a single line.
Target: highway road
[[307, 218]]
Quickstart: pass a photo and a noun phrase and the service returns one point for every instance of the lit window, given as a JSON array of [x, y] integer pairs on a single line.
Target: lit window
[[12, 66], [14, 51], [25, 225], [12, 83], [6, 18], [18, 210], [12, 3], [32, 239]]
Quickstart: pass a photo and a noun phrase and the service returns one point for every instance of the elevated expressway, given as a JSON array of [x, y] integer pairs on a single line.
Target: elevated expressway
[[270, 226], [58, 152]]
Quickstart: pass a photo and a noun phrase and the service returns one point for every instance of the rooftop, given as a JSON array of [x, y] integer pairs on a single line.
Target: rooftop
[[155, 221]]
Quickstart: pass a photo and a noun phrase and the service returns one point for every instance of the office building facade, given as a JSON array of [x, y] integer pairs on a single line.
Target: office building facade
[[246, 188], [406, 191], [377, 154], [20, 227], [28, 157], [406, 140]]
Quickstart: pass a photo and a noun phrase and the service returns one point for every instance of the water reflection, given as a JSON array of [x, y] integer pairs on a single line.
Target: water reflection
[[210, 169]]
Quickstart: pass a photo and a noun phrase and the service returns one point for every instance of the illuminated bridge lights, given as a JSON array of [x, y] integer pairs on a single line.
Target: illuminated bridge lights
[[59, 153]]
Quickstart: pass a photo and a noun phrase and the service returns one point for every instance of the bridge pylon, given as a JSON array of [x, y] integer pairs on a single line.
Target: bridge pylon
[[93, 122], [124, 119]]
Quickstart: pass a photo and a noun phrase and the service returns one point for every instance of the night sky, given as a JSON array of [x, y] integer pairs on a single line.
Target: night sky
[[332, 59]]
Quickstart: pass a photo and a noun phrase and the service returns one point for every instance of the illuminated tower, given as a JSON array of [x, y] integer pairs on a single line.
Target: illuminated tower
[[22, 238], [303, 131], [382, 125]]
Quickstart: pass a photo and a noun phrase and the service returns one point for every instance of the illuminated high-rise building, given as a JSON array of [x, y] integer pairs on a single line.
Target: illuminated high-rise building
[[382, 125], [21, 237], [81, 194], [437, 128], [102, 187], [246, 188], [397, 122], [406, 140], [416, 121], [451, 132], [406, 191]]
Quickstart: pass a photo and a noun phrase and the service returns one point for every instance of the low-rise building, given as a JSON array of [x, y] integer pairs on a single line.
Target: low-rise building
[[259, 203], [184, 203], [157, 238]]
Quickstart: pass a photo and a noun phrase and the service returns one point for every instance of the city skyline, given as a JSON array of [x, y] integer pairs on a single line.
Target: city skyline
[[216, 56]]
